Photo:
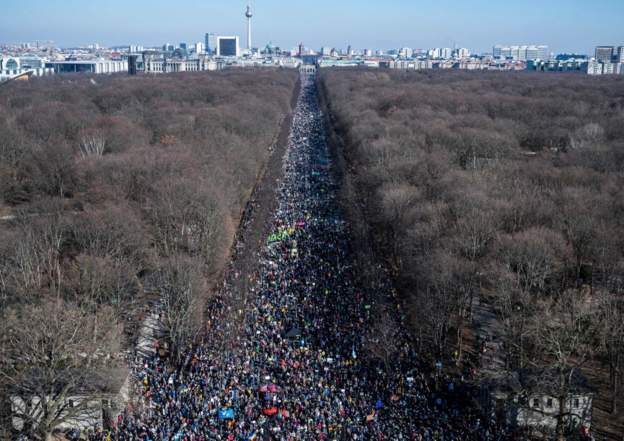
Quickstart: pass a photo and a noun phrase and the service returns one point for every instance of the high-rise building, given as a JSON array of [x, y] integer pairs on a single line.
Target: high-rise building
[[132, 64], [500, 51], [604, 54], [518, 52], [521, 53], [406, 52], [594, 68], [531, 53], [506, 52], [461, 53], [210, 43], [228, 46], [620, 54], [609, 68], [248, 14], [199, 48]]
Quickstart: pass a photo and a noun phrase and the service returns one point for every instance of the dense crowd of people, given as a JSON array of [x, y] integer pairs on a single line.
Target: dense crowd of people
[[298, 369]]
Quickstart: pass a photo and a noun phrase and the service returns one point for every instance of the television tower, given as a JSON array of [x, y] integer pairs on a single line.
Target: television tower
[[248, 14]]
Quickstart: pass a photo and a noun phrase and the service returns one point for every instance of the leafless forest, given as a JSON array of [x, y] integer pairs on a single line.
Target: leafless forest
[[501, 193], [112, 189]]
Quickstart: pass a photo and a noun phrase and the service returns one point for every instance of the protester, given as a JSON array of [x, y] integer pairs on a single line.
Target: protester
[[297, 369]]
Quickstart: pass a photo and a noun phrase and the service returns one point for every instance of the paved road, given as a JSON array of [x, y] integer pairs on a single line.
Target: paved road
[[299, 368]]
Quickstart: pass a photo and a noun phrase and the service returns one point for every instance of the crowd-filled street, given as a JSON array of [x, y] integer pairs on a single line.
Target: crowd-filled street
[[299, 368]]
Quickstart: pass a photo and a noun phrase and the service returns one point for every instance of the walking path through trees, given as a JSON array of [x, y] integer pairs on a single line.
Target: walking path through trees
[[296, 361]]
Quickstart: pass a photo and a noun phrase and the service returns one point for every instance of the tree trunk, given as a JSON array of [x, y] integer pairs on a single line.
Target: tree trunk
[[460, 338], [560, 422], [614, 396], [42, 430], [6, 424], [522, 347]]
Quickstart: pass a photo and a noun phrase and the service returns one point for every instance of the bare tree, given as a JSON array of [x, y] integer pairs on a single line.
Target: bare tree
[[98, 280], [397, 202], [515, 308], [183, 293], [52, 353], [491, 190], [142, 174], [92, 142], [611, 328], [382, 337], [587, 137], [52, 170], [564, 333], [439, 299], [187, 219], [534, 255], [33, 265], [580, 226], [476, 225]]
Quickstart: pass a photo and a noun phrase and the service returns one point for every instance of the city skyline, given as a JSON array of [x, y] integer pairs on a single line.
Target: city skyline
[[563, 26]]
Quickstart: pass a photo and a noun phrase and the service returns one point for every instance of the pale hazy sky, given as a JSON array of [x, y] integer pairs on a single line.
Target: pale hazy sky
[[565, 25]]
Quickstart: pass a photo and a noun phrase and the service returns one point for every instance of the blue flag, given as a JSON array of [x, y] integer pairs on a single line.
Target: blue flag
[[226, 414]]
